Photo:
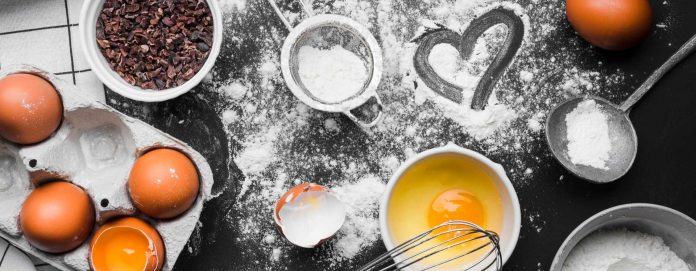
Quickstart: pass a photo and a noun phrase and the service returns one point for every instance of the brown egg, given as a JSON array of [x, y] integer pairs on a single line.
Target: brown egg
[[163, 183], [30, 108], [57, 217], [610, 24], [127, 243]]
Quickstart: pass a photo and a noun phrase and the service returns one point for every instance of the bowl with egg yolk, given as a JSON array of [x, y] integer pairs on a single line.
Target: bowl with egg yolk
[[449, 183]]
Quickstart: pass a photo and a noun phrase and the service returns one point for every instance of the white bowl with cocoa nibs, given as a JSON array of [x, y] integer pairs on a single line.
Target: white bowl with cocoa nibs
[[152, 50]]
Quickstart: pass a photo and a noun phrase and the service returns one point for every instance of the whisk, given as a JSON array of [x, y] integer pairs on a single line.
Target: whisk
[[457, 233]]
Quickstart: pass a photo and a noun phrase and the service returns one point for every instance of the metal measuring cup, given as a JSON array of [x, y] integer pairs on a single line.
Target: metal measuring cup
[[320, 31]]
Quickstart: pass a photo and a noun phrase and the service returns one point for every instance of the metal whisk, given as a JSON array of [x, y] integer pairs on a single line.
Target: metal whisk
[[458, 233]]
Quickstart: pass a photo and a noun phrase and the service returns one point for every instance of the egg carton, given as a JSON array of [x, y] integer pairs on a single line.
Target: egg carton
[[94, 148]]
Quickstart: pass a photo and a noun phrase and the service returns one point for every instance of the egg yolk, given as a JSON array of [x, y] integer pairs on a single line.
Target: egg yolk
[[456, 204], [121, 249]]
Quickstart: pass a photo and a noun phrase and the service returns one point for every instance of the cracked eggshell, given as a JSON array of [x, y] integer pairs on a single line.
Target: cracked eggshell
[[107, 240], [309, 214]]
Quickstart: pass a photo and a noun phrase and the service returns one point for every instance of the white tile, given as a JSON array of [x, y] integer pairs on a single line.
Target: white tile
[[14, 259], [78, 53], [47, 49], [26, 14], [74, 8]]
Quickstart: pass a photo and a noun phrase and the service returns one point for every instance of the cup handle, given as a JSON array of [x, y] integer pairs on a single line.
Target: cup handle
[[374, 121]]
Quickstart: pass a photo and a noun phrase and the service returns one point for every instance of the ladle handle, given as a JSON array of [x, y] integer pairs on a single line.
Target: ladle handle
[[286, 22], [369, 123], [680, 55]]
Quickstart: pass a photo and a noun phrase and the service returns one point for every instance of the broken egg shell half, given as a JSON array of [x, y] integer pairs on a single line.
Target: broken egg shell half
[[308, 214], [127, 243]]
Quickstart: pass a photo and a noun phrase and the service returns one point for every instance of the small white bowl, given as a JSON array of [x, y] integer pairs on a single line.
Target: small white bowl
[[511, 206], [88, 36]]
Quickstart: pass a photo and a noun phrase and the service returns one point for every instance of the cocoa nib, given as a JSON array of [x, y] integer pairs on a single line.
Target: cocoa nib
[[155, 44]]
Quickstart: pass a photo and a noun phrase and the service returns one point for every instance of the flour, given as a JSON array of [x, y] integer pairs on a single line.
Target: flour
[[588, 135], [331, 75], [229, 5], [275, 141], [447, 63], [361, 228], [623, 250], [235, 90]]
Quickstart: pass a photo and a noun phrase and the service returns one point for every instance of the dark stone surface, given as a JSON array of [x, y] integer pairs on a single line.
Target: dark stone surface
[[663, 171]]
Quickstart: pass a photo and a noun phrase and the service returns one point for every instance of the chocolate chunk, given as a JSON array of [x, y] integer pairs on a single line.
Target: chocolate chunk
[[155, 44]]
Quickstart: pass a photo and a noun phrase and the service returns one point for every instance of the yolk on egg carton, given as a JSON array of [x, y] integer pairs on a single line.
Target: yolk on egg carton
[[95, 148]]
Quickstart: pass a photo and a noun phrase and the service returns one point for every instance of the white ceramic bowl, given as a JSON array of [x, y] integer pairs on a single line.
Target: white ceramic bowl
[[511, 206], [675, 228], [88, 37]]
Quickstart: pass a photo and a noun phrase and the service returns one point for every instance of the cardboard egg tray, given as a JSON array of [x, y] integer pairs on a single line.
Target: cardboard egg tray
[[94, 148]]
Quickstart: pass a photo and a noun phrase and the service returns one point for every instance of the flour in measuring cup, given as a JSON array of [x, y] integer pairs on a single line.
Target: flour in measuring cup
[[331, 75]]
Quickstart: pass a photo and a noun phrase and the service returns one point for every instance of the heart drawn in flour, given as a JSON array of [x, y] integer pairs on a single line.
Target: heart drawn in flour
[[465, 44]]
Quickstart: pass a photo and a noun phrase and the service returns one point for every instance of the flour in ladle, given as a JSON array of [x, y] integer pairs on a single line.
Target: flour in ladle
[[623, 250], [588, 135], [331, 75]]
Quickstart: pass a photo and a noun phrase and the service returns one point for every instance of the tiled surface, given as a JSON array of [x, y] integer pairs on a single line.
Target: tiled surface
[[22, 14], [45, 34], [74, 7], [40, 48]]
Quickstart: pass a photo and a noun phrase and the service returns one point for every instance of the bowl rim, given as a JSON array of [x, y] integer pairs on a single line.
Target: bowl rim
[[319, 20], [452, 148], [95, 59], [564, 246]]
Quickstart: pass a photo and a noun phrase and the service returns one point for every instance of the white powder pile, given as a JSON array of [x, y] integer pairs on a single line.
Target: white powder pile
[[332, 75], [361, 228], [232, 4], [623, 250], [588, 135]]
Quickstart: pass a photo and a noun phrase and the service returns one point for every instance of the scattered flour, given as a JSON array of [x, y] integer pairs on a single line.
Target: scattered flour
[[230, 5], [255, 158], [446, 61], [526, 76], [623, 250], [588, 135], [331, 125], [361, 228], [534, 124], [332, 75], [276, 141], [235, 90]]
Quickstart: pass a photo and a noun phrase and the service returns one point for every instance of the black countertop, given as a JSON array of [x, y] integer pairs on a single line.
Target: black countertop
[[665, 121]]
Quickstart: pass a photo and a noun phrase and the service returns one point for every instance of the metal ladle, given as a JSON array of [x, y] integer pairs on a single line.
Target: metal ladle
[[624, 142]]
